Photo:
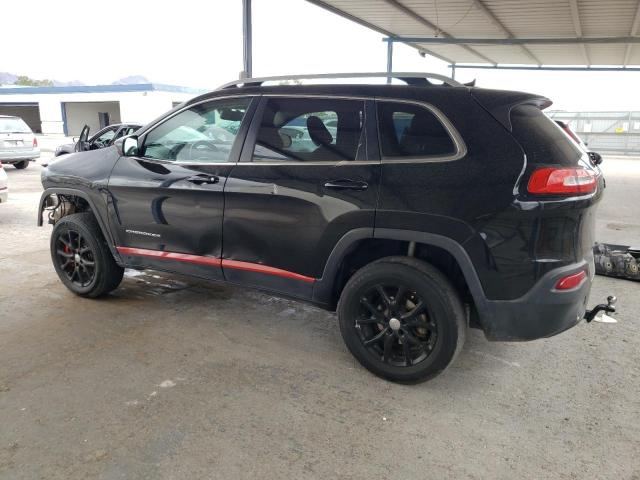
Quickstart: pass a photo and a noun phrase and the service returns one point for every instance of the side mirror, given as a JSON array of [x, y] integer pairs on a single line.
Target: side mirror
[[595, 158], [130, 146], [75, 139]]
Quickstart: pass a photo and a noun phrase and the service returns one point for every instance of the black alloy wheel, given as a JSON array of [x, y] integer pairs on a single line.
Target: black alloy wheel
[[402, 319], [82, 258], [75, 258], [394, 324]]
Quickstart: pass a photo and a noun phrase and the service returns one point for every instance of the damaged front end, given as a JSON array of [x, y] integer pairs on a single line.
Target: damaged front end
[[60, 205]]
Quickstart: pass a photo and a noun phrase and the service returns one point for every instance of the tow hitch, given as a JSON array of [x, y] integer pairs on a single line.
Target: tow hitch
[[609, 307]]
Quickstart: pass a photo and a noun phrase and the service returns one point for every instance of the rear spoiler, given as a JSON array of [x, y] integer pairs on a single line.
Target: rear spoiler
[[499, 103]]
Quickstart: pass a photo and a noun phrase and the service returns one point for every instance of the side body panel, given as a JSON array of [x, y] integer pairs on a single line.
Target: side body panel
[[512, 241], [283, 215], [168, 214]]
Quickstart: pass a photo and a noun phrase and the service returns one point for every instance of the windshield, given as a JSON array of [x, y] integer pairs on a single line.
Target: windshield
[[13, 125]]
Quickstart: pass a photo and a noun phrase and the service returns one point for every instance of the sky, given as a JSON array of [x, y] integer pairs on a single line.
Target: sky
[[198, 43]]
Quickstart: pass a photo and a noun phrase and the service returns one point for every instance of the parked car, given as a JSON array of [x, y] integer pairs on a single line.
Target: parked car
[[595, 157], [104, 138], [18, 144], [4, 185], [477, 211]]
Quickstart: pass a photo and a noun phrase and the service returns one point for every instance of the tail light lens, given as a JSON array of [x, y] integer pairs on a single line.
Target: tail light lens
[[571, 281], [562, 181], [35, 142]]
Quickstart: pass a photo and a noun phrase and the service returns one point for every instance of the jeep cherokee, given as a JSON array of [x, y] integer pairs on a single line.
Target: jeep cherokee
[[412, 210]]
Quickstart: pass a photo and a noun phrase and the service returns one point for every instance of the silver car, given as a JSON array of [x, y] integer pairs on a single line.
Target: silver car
[[4, 188], [18, 144]]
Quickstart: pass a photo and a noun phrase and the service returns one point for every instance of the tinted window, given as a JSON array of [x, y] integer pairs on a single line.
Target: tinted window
[[541, 138], [412, 131], [303, 129], [203, 133]]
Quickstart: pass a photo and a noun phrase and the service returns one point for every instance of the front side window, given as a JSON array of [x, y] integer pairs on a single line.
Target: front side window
[[204, 133], [412, 131], [103, 139], [308, 130]]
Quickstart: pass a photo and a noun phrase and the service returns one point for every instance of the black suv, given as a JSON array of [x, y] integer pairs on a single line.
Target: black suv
[[413, 210]]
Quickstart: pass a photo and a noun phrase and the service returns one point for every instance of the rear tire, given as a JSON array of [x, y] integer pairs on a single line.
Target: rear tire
[[402, 319], [82, 258], [21, 165]]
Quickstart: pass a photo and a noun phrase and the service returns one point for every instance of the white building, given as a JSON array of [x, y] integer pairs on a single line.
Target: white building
[[65, 110]]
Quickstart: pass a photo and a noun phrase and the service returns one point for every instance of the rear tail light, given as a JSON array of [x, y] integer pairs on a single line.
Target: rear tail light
[[1, 167], [571, 281], [564, 181], [35, 142]]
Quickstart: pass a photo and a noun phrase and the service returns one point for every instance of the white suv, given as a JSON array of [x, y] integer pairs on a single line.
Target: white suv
[[18, 144]]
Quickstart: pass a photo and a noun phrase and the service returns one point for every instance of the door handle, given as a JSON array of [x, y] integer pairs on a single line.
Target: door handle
[[200, 179], [346, 184]]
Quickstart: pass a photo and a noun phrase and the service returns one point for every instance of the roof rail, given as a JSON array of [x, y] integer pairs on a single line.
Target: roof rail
[[411, 78]]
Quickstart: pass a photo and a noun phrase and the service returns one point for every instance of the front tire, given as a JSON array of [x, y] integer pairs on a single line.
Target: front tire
[[21, 165], [402, 319], [82, 258]]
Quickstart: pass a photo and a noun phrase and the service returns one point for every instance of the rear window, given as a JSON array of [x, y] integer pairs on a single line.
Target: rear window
[[541, 138], [13, 125], [412, 131]]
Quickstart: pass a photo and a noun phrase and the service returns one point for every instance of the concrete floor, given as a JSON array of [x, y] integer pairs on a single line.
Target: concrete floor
[[169, 378]]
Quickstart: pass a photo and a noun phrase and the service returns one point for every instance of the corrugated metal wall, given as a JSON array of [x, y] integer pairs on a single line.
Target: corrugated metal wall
[[605, 132]]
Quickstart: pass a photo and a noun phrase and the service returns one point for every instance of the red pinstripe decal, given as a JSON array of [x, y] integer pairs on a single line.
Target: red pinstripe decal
[[215, 262], [162, 255], [256, 267]]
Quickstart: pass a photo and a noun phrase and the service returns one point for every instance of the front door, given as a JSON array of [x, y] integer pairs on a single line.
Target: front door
[[166, 204], [304, 180]]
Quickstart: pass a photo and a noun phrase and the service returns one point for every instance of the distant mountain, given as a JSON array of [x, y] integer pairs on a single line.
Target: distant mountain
[[131, 80], [7, 78], [72, 83]]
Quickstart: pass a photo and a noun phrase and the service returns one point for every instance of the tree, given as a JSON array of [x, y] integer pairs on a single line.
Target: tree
[[31, 82]]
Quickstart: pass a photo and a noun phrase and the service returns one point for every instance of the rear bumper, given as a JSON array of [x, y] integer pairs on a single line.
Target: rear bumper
[[541, 312], [13, 156]]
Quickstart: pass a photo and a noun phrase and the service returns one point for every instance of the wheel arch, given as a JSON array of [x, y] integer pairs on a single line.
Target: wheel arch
[[72, 192], [327, 288]]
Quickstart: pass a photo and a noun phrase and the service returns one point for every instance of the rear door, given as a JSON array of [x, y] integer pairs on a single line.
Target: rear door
[[167, 203], [304, 180]]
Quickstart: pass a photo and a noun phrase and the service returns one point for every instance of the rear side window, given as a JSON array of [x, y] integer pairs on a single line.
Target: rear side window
[[310, 130], [412, 131], [542, 140]]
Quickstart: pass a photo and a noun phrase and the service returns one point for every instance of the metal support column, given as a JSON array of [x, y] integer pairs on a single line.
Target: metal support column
[[453, 71], [389, 60], [247, 51]]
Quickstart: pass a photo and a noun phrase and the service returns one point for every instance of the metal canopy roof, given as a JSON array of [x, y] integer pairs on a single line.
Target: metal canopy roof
[[499, 32]]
